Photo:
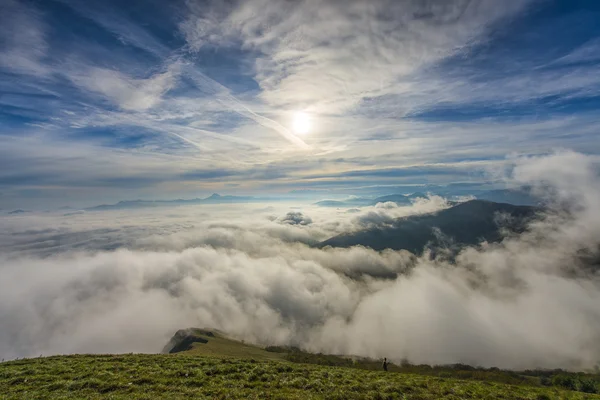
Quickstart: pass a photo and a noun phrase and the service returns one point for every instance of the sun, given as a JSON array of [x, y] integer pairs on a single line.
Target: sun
[[301, 123]]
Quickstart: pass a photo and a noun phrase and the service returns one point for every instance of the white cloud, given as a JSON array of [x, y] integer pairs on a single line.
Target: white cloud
[[24, 44], [128, 93], [527, 302], [122, 27], [589, 51], [384, 214], [327, 56]]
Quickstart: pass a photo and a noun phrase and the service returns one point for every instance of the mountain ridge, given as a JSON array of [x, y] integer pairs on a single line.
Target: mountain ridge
[[466, 223], [214, 198], [520, 196]]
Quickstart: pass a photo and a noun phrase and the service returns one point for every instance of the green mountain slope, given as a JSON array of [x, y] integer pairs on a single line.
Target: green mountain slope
[[182, 376], [205, 342]]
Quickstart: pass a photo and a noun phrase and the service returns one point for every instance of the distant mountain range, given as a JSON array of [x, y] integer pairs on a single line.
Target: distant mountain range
[[17, 212], [399, 199], [522, 196], [212, 199], [467, 223], [518, 196]]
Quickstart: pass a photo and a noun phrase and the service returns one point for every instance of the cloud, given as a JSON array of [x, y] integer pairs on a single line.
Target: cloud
[[24, 44], [127, 31], [128, 93], [386, 214], [401, 92], [527, 302], [296, 218], [589, 51], [327, 56]]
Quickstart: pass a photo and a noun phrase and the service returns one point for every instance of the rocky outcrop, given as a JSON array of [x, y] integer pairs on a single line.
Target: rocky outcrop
[[183, 339]]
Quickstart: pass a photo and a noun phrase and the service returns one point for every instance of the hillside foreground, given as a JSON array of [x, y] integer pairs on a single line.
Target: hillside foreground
[[136, 376], [222, 368]]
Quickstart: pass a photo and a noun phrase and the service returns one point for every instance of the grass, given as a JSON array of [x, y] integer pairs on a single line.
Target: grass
[[218, 367], [183, 376], [220, 346], [578, 381]]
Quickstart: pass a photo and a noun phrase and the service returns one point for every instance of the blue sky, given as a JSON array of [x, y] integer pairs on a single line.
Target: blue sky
[[109, 100]]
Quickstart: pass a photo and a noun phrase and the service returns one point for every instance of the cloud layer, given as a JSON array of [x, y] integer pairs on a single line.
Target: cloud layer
[[122, 282]]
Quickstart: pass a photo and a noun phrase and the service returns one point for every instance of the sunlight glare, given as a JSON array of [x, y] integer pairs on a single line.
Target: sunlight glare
[[301, 123]]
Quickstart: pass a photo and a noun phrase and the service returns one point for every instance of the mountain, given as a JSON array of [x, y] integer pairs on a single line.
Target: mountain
[[212, 199], [218, 199], [467, 223], [351, 202], [17, 212], [184, 339], [518, 196], [212, 342], [522, 196], [123, 205], [399, 199], [331, 203]]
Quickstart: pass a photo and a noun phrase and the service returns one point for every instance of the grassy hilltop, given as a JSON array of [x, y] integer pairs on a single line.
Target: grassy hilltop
[[220, 368]]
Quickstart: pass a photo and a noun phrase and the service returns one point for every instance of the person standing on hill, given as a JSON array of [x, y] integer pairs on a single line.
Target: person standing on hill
[[385, 364]]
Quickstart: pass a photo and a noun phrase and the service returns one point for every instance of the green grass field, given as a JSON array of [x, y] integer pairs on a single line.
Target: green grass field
[[221, 346], [227, 369], [206, 377]]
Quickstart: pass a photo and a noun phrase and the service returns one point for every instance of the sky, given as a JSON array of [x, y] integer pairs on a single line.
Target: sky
[[102, 101]]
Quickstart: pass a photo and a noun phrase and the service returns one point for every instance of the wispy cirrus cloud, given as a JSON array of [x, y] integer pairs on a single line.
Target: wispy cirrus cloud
[[396, 88], [327, 56], [24, 45], [127, 93]]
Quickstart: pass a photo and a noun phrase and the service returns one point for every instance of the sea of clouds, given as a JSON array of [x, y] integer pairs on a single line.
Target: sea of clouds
[[125, 281]]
